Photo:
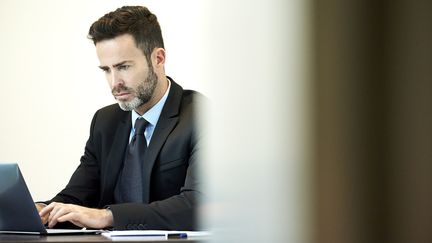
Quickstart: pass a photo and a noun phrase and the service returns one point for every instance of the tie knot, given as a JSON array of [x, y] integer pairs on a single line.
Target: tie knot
[[140, 126]]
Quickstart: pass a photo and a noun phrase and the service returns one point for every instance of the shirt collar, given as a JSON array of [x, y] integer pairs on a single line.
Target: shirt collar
[[152, 115]]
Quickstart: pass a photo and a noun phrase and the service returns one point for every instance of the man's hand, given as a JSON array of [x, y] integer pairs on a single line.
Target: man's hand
[[39, 207], [80, 216]]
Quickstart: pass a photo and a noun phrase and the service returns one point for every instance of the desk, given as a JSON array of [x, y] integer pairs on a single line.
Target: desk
[[4, 238]]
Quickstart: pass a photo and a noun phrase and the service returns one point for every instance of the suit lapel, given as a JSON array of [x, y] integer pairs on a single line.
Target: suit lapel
[[166, 123]]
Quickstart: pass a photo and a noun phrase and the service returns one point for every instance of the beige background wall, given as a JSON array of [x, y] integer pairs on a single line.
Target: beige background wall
[[51, 85]]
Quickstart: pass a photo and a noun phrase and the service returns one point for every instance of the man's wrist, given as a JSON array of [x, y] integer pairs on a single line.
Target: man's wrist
[[108, 217]]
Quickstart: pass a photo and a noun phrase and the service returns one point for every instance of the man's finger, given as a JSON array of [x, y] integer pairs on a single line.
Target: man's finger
[[46, 210], [40, 207], [54, 212], [58, 211], [72, 217]]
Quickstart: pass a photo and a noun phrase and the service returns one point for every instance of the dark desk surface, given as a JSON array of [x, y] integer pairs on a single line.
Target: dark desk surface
[[85, 238]]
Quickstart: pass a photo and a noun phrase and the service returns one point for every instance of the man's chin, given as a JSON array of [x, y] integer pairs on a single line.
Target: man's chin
[[124, 107], [129, 106]]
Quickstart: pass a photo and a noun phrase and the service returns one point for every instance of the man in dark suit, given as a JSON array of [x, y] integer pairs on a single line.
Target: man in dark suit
[[109, 189]]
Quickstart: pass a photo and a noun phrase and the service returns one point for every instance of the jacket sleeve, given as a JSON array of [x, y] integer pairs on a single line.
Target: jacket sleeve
[[83, 187]]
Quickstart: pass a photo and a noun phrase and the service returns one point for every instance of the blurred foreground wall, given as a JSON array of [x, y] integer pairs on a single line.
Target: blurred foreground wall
[[373, 89]]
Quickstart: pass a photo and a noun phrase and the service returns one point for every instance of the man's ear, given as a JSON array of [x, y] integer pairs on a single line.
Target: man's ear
[[159, 56]]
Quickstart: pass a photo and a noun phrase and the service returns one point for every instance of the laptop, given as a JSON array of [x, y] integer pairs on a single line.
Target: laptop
[[18, 213]]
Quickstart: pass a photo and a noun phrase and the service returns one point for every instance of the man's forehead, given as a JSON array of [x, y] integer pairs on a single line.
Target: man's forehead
[[116, 50]]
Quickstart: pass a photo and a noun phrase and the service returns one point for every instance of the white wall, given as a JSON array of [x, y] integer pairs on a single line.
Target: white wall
[[51, 85], [258, 169]]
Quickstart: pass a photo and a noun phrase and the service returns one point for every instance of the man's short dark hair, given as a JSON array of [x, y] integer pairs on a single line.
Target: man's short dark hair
[[137, 21]]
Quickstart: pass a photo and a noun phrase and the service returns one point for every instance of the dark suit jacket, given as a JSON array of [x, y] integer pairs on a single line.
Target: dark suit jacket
[[170, 167]]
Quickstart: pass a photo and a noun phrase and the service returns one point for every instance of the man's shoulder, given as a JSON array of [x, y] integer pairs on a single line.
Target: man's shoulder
[[112, 111], [192, 93], [111, 108], [185, 97], [193, 97]]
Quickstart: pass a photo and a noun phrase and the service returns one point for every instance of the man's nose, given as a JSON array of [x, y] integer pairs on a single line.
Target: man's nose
[[116, 79]]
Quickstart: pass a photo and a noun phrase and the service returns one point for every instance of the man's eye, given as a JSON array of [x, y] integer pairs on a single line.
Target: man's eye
[[105, 70], [123, 67]]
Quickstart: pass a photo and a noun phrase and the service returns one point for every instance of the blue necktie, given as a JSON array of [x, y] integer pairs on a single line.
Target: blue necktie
[[130, 184]]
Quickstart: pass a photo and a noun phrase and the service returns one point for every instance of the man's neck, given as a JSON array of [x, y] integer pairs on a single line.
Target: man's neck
[[157, 95]]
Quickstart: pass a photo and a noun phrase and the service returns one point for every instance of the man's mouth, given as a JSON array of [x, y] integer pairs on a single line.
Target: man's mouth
[[121, 95]]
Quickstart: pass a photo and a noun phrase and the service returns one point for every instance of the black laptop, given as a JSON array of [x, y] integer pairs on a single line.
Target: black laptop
[[18, 213]]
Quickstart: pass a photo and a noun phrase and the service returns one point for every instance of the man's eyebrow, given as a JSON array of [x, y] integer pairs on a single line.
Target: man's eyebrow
[[115, 65]]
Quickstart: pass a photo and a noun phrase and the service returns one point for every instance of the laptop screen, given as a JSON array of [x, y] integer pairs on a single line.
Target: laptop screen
[[18, 211]]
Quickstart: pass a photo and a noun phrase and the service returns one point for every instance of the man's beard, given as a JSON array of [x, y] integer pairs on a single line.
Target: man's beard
[[144, 92]]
